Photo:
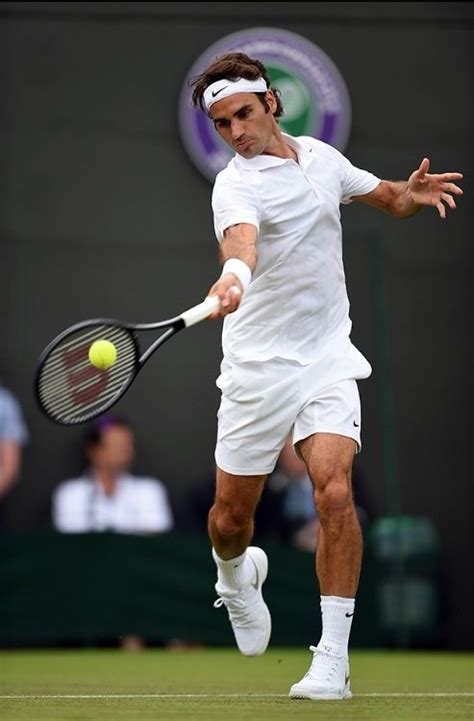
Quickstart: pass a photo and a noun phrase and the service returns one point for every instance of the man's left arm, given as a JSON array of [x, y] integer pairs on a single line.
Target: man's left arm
[[406, 197]]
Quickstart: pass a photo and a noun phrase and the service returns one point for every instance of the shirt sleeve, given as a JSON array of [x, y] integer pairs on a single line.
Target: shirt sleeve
[[233, 202], [12, 424], [355, 181]]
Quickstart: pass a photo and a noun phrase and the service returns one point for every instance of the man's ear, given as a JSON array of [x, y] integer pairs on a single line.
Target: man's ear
[[271, 100]]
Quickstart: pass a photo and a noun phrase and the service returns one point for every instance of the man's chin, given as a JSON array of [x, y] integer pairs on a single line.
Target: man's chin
[[246, 152]]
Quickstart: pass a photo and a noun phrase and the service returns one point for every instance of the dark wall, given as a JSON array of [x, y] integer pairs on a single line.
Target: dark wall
[[102, 214]]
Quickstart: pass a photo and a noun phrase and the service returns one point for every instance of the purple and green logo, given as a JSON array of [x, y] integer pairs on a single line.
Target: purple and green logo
[[314, 95]]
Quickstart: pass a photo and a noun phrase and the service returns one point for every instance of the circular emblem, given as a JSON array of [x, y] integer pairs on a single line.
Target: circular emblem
[[314, 96]]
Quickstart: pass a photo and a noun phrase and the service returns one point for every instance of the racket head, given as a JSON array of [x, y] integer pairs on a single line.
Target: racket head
[[69, 389]]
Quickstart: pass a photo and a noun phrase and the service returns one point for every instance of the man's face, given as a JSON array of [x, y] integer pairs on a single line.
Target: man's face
[[244, 123], [115, 451]]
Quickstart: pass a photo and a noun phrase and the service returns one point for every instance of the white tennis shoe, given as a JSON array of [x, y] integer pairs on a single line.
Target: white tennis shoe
[[248, 613], [327, 678]]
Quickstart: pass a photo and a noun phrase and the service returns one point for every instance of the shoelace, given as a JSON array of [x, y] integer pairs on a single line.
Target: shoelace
[[238, 608], [324, 665]]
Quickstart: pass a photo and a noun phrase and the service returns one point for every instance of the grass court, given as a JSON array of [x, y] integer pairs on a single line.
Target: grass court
[[218, 684]]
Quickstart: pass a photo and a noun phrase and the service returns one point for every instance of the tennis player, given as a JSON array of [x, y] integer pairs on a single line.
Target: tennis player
[[288, 361]]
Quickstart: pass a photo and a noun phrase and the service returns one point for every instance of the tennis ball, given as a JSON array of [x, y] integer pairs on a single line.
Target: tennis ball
[[102, 354]]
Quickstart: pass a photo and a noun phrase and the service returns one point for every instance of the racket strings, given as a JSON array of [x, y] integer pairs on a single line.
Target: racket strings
[[70, 388]]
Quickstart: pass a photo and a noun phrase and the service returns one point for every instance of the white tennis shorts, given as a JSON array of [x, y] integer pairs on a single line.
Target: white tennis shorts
[[263, 402]]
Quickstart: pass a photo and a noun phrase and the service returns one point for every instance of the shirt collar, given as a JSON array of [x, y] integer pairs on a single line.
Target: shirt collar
[[262, 162]]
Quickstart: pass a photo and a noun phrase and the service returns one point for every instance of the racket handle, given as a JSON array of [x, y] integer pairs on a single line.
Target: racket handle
[[201, 311]]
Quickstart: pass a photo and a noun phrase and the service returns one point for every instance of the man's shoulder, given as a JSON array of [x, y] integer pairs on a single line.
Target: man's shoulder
[[5, 395], [229, 174], [12, 423], [308, 140], [319, 145], [8, 402], [232, 182]]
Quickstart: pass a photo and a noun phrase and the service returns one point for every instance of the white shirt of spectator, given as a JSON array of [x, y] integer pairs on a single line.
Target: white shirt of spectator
[[296, 303], [138, 505]]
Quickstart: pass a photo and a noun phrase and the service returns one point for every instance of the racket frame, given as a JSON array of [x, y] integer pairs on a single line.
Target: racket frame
[[173, 326]]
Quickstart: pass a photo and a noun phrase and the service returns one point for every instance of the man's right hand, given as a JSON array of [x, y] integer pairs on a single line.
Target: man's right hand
[[229, 290]]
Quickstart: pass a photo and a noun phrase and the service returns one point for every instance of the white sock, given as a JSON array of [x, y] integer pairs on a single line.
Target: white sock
[[337, 616], [235, 572]]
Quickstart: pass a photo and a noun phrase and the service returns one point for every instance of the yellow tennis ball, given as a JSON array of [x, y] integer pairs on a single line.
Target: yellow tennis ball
[[102, 354]]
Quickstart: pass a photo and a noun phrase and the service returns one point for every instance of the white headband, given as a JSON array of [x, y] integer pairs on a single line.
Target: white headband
[[223, 88]]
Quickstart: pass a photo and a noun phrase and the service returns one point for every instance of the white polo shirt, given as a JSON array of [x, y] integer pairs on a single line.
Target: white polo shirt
[[296, 303], [138, 505]]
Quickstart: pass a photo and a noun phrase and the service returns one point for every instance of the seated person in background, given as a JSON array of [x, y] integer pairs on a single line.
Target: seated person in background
[[299, 517], [107, 497], [13, 435]]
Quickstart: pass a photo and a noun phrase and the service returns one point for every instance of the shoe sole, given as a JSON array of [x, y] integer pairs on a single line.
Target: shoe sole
[[307, 695]]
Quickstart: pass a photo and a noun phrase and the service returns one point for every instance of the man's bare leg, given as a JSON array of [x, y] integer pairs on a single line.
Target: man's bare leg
[[328, 458], [241, 569], [230, 522]]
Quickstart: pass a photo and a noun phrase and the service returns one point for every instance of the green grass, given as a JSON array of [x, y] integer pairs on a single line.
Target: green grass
[[197, 683]]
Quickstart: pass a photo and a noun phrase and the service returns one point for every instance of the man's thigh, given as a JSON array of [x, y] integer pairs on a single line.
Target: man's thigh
[[327, 456], [238, 492]]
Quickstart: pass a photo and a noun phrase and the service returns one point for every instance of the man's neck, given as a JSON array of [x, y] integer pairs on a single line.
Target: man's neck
[[279, 147]]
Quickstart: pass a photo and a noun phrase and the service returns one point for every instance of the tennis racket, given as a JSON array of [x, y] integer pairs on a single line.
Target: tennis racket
[[70, 390]]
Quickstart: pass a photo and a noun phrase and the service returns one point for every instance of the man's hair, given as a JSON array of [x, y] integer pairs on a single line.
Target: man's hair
[[231, 67]]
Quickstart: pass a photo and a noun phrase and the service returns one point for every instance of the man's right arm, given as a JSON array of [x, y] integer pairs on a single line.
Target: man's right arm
[[240, 243]]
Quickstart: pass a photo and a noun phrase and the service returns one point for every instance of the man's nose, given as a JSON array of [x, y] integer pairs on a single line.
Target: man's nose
[[236, 129]]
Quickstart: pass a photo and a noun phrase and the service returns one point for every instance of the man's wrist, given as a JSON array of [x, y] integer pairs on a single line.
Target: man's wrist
[[238, 268]]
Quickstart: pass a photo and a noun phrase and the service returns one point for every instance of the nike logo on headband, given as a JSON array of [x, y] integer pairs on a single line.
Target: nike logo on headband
[[218, 91]]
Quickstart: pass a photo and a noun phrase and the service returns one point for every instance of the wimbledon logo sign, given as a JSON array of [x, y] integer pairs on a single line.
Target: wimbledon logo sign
[[314, 96]]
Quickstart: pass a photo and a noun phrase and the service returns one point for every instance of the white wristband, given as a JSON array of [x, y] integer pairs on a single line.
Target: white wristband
[[239, 269]]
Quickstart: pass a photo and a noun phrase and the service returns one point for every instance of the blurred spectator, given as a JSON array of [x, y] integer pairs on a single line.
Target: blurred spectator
[[13, 435], [107, 497], [299, 517]]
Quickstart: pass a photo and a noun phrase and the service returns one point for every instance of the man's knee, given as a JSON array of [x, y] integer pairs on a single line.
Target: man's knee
[[230, 520], [333, 495]]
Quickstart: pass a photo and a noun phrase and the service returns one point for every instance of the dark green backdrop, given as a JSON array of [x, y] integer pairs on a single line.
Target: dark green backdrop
[[102, 213]]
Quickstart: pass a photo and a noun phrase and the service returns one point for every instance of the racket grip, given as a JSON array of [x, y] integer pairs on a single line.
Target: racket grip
[[201, 311]]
